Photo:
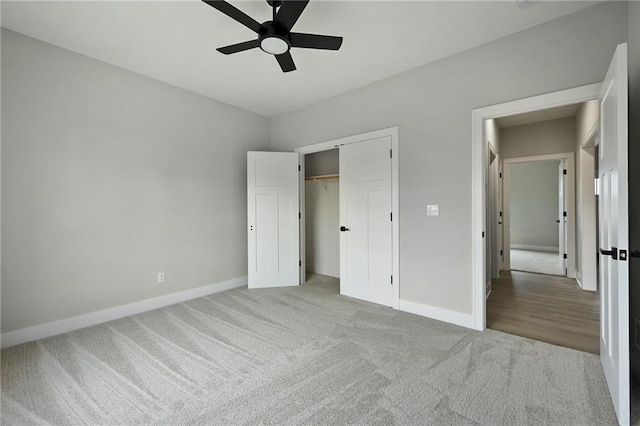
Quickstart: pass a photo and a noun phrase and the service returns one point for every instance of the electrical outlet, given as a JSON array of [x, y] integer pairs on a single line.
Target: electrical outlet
[[433, 210], [162, 278]]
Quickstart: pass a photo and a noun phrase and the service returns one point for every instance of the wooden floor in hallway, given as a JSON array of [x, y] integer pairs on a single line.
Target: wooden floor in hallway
[[548, 308]]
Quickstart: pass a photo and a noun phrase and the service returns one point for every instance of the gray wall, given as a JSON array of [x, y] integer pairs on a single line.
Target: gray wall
[[109, 177], [533, 203], [634, 173], [432, 106], [547, 137], [322, 163], [322, 220]]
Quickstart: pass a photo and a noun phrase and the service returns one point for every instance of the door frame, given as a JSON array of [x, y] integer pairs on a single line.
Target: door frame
[[493, 219], [479, 173], [570, 205], [395, 203]]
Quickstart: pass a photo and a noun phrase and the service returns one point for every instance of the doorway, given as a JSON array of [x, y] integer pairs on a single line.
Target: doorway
[[531, 296], [322, 213], [535, 293], [536, 212], [540, 214], [480, 118]]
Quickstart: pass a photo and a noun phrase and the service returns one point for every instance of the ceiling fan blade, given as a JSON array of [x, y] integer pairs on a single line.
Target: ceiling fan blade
[[289, 13], [240, 47], [315, 41], [286, 62], [235, 13]]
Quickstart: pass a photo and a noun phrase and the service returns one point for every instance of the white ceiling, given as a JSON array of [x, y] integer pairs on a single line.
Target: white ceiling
[[539, 116], [175, 41]]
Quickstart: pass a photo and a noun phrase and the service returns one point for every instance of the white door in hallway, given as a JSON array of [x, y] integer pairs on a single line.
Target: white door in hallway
[[272, 219], [614, 234], [562, 216], [366, 222], [500, 224]]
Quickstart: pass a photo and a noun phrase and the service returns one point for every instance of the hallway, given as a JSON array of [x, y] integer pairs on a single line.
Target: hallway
[[548, 308]]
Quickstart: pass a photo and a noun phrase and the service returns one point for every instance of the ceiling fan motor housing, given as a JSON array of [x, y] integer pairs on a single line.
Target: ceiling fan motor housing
[[272, 40]]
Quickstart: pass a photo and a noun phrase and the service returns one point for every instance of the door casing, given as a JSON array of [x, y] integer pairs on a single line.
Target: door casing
[[570, 205], [395, 204], [479, 173]]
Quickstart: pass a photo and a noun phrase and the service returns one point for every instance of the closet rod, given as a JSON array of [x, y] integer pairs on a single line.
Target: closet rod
[[323, 178]]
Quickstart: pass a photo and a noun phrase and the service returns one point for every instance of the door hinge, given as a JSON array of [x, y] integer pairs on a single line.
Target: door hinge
[[501, 253], [299, 169], [565, 256], [482, 234], [391, 279], [391, 216], [500, 175], [564, 214], [299, 215], [300, 263], [564, 171], [390, 153]]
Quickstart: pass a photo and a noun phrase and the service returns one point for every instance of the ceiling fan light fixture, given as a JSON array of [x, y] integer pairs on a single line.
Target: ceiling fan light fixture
[[274, 45]]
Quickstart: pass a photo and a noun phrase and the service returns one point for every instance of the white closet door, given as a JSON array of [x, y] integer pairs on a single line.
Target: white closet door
[[273, 221], [365, 219]]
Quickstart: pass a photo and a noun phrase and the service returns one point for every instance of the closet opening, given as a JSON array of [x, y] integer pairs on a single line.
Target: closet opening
[[322, 216]]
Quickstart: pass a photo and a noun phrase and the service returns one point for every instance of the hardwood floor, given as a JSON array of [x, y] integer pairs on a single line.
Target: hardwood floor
[[548, 308]]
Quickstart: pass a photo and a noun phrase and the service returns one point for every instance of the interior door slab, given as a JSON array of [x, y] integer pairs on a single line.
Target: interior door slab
[[614, 234], [365, 216], [273, 219]]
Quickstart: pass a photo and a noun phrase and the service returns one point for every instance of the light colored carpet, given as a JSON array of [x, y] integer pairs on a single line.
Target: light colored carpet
[[301, 355], [541, 262]]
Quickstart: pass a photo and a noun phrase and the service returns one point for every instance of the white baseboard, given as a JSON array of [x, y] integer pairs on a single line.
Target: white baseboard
[[579, 279], [445, 315], [13, 338], [536, 248]]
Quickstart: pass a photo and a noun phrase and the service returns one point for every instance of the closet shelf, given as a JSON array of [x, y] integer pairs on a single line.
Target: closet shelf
[[323, 178]]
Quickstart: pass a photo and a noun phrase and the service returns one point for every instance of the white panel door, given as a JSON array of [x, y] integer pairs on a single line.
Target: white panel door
[[273, 221], [495, 217], [500, 227], [562, 218], [365, 219], [614, 234]]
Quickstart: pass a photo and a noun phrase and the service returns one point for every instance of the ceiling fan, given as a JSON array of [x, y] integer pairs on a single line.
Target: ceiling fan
[[275, 36]]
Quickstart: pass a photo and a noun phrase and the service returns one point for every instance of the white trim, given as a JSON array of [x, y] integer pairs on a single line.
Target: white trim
[[445, 315], [302, 202], [53, 328], [478, 164], [535, 248], [395, 190], [579, 279]]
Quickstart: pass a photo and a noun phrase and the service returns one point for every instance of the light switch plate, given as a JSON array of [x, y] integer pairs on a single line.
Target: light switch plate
[[433, 210]]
